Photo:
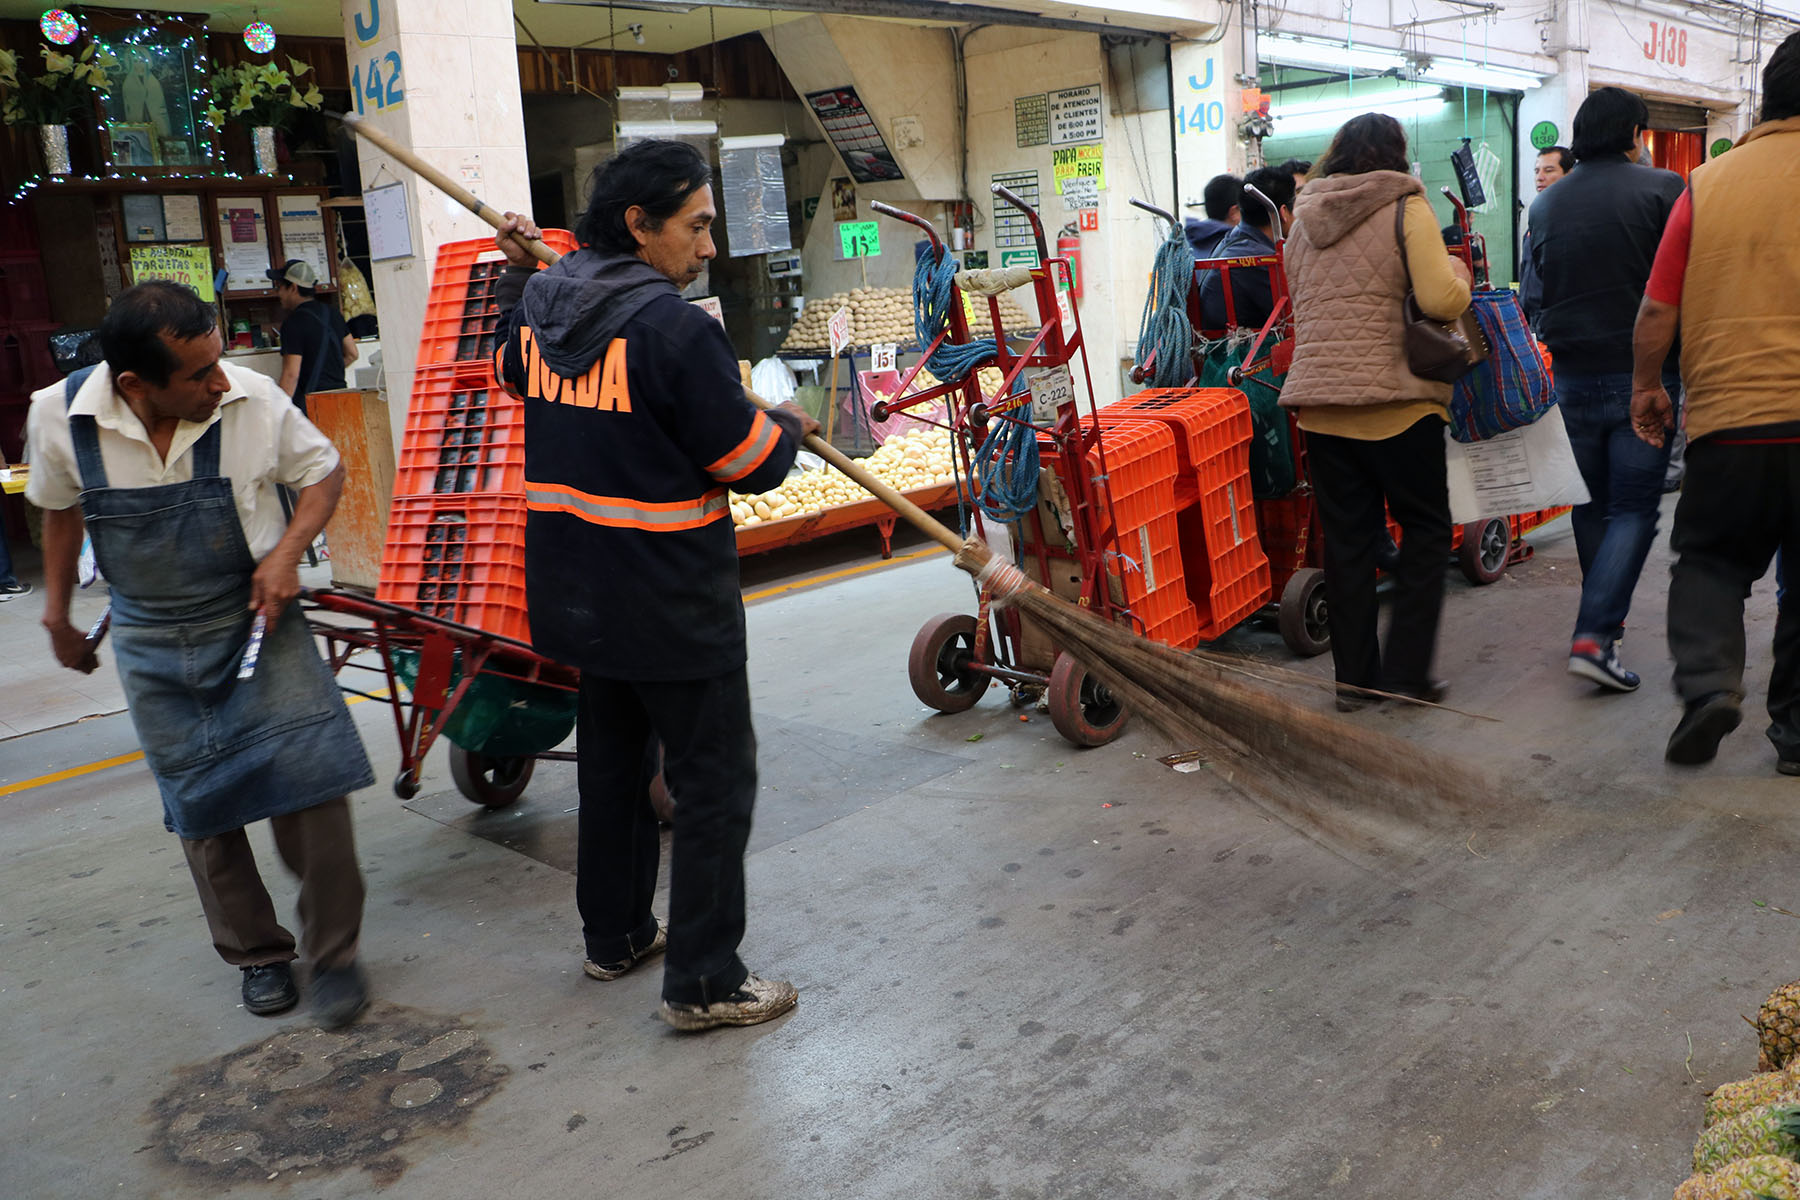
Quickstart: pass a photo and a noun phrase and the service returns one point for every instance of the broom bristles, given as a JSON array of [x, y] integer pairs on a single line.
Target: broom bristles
[[1274, 750]]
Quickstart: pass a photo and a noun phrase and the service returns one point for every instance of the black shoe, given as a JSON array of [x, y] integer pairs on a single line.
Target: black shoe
[[269, 989], [339, 995], [1351, 699], [1703, 726], [1433, 692], [1788, 766]]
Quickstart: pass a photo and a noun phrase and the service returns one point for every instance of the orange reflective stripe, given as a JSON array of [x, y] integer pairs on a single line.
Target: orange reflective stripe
[[617, 512], [749, 454]]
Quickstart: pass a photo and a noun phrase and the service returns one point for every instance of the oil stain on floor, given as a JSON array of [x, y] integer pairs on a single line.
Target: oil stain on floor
[[313, 1101]]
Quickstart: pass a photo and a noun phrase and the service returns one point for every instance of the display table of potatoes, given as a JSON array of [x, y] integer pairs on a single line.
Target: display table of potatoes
[[812, 503], [880, 315]]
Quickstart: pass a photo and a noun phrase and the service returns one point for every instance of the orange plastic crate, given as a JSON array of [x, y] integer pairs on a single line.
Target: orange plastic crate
[[1139, 476], [1181, 631], [461, 558], [461, 439], [462, 315]]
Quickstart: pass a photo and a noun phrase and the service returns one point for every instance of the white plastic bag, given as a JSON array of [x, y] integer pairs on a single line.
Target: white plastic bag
[[1521, 470], [773, 381], [87, 567]]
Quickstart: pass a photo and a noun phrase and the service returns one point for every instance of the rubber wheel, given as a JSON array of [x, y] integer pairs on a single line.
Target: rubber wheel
[[1302, 614], [938, 664], [489, 780], [1486, 547], [1081, 708], [406, 785]]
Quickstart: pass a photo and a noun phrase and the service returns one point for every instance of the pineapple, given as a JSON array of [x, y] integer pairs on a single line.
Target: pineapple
[[1771, 1087], [1768, 1129], [1778, 1027], [1763, 1177]]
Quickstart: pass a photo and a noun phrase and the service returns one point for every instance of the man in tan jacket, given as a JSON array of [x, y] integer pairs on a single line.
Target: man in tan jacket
[[1729, 276]]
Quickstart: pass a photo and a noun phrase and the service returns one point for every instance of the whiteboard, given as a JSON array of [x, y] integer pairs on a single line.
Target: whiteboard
[[390, 228]]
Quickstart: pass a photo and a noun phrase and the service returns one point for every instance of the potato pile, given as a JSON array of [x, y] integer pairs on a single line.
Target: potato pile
[[906, 461], [879, 315]]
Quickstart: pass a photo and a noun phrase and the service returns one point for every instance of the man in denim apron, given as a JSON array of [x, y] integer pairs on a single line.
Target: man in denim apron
[[175, 459]]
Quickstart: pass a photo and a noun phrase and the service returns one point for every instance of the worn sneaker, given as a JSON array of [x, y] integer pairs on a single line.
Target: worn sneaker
[[1599, 663], [1704, 724], [339, 994], [13, 588], [758, 1000], [606, 971], [269, 989]]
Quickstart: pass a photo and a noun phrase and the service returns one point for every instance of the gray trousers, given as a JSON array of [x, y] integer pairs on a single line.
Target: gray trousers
[[319, 848]]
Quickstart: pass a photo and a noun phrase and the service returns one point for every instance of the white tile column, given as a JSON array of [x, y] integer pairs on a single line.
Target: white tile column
[[440, 77]]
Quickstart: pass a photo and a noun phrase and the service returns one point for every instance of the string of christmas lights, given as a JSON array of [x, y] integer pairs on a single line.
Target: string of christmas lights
[[154, 32]]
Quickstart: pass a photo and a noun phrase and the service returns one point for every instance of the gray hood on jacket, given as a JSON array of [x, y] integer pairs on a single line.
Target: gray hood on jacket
[[580, 303], [1329, 208]]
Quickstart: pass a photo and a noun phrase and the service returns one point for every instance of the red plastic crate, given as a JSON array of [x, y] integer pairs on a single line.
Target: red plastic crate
[[461, 558], [462, 316], [24, 295], [1286, 539], [1139, 475], [460, 438]]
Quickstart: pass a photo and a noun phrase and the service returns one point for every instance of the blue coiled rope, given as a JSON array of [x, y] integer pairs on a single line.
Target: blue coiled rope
[[1006, 472], [933, 286], [1164, 329]]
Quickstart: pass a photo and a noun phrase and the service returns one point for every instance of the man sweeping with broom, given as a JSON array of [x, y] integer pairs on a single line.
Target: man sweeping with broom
[[635, 424]]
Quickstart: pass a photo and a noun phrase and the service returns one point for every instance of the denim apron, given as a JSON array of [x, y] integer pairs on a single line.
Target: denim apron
[[225, 752]]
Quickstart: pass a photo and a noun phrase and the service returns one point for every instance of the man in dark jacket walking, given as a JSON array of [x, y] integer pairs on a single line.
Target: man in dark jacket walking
[[636, 424], [1593, 240]]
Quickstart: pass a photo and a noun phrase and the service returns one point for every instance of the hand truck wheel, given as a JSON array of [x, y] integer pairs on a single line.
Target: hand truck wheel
[[1485, 550], [490, 780], [938, 665], [1303, 616], [1081, 708], [406, 785]]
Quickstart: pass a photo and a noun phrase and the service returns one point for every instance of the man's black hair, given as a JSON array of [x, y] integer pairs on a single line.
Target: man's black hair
[[1781, 82], [1564, 156], [1277, 183], [657, 176], [131, 333], [1222, 195], [1607, 123], [1296, 166]]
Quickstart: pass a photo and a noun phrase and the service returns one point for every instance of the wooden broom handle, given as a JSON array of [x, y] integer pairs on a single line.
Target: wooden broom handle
[[915, 516]]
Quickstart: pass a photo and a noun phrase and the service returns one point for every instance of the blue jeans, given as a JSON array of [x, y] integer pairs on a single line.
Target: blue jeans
[[6, 567], [1624, 477]]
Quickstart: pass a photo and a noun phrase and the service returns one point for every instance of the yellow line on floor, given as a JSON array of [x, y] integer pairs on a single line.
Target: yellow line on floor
[[846, 573], [25, 785]]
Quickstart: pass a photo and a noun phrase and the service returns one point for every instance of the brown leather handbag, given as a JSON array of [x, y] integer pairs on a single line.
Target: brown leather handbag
[[1440, 350]]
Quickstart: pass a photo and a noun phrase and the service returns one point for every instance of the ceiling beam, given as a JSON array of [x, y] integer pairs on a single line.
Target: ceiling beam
[[936, 11]]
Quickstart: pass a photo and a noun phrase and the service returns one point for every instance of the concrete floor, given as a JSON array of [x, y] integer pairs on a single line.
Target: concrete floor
[[1025, 970]]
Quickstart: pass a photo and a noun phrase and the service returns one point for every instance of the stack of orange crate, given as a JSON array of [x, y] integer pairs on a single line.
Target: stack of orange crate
[[456, 535], [1143, 464], [1221, 555]]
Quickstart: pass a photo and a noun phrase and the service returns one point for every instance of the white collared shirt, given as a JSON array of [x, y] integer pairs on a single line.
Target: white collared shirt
[[263, 441]]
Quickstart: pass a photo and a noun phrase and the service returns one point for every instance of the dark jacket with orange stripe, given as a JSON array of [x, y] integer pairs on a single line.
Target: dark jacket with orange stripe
[[635, 425]]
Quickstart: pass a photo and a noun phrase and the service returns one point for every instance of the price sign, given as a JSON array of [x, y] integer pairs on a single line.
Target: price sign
[[860, 239], [1050, 390], [882, 355], [839, 329]]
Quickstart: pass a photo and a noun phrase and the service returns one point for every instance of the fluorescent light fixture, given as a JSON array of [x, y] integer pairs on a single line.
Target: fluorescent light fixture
[[1460, 73], [1373, 101], [1327, 56], [1313, 118]]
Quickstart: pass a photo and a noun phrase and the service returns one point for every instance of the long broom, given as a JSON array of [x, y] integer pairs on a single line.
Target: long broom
[[1214, 707]]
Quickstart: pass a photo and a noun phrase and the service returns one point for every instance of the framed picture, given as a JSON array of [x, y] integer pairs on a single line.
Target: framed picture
[[152, 99], [133, 144]]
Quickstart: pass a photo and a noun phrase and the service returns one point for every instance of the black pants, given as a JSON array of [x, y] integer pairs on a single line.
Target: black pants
[[1738, 506], [709, 761], [1356, 483]]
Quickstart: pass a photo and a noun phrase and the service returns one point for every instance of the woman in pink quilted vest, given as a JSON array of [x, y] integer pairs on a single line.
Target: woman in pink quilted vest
[[1374, 430]]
